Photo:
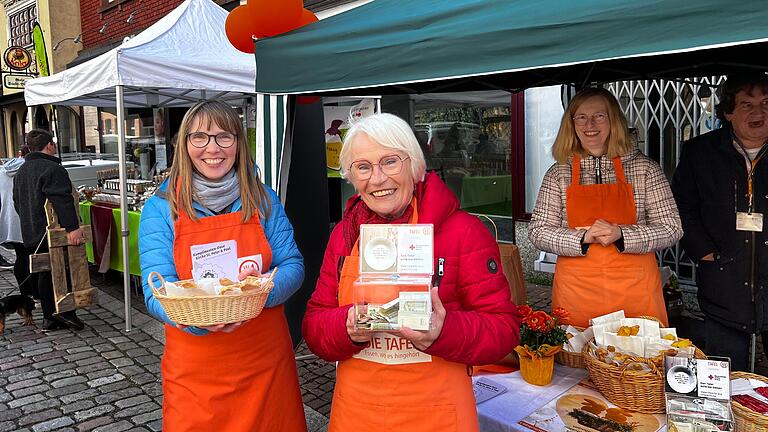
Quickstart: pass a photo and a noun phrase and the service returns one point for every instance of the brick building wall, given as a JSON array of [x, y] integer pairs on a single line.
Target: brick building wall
[[94, 14]]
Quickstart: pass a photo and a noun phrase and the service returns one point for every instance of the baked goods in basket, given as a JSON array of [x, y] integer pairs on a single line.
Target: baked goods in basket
[[207, 302], [628, 369]]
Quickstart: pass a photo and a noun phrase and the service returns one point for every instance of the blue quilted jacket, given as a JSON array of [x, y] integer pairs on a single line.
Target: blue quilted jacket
[[156, 251]]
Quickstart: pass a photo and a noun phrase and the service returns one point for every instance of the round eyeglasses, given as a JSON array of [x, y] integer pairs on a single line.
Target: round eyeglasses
[[201, 139], [390, 166], [583, 119]]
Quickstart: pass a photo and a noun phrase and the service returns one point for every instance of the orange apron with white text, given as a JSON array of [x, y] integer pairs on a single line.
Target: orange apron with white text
[[605, 280], [235, 382], [423, 394]]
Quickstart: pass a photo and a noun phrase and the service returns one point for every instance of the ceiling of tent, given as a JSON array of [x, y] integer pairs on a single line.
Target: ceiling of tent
[[389, 47]]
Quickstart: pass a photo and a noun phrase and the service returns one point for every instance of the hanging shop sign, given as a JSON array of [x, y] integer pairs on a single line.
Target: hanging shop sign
[[17, 58], [16, 81]]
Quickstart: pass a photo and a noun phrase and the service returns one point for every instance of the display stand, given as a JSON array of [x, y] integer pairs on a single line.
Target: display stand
[[67, 263]]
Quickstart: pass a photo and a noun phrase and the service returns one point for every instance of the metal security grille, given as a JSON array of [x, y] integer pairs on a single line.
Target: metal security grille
[[664, 114]]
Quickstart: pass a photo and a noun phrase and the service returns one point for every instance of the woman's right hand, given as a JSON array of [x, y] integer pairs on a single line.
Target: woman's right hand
[[357, 336], [602, 232]]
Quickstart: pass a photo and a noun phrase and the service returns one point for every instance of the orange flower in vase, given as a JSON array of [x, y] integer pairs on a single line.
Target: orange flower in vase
[[541, 337]]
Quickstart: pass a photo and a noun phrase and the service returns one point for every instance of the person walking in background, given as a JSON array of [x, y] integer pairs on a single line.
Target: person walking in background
[[604, 208], [721, 188], [238, 377], [10, 226], [42, 178]]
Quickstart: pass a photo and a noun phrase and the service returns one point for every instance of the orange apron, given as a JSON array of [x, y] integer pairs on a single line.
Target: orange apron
[[431, 395], [605, 280], [235, 382]]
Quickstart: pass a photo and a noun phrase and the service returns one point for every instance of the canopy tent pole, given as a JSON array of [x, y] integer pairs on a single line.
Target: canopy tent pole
[[123, 204]]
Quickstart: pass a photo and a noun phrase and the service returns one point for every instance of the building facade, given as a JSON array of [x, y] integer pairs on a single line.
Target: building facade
[[58, 20]]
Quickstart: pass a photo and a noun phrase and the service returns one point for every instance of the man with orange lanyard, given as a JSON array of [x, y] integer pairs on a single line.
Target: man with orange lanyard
[[721, 189]]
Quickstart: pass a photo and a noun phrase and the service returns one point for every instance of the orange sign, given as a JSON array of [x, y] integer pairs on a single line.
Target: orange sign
[[17, 58]]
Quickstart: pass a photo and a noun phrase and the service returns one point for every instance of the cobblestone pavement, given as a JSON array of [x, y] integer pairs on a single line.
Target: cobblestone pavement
[[106, 379], [98, 379]]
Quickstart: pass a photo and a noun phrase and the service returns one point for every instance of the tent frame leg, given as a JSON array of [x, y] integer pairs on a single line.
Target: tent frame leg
[[123, 203]]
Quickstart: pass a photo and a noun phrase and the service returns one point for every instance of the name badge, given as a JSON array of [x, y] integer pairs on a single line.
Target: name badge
[[749, 221]]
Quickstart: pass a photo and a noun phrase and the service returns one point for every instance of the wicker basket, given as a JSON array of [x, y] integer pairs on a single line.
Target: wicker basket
[[211, 310], [641, 391], [570, 359], [747, 420]]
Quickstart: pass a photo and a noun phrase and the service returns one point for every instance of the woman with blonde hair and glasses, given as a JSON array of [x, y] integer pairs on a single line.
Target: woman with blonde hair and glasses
[[603, 208], [408, 380], [228, 377]]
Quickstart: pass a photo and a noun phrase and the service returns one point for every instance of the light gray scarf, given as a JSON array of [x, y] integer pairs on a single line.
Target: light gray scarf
[[216, 195]]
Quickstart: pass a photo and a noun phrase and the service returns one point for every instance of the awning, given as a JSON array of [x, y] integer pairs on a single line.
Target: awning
[[390, 46]]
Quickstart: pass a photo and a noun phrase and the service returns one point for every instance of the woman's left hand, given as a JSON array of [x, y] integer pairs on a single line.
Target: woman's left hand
[[248, 271], [614, 232], [229, 328], [424, 339]]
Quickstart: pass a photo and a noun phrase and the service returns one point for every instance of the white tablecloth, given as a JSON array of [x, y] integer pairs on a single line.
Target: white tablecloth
[[502, 413]]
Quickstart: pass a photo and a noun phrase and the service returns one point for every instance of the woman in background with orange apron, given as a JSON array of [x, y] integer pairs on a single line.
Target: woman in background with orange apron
[[231, 377], [409, 380], [604, 208]]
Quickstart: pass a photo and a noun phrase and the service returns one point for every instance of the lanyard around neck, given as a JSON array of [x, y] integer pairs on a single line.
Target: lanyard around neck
[[752, 164]]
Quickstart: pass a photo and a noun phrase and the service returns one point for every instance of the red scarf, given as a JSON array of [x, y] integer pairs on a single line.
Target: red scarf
[[359, 213]]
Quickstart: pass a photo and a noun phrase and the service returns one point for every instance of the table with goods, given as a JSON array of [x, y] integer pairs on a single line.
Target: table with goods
[[100, 207], [620, 374]]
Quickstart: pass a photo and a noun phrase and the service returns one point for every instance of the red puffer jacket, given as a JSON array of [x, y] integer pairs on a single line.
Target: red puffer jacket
[[481, 323]]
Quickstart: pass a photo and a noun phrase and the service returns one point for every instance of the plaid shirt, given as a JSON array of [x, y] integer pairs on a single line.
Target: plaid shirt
[[658, 222]]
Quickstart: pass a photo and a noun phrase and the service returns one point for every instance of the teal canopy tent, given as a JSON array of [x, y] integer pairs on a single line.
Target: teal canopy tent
[[393, 46]]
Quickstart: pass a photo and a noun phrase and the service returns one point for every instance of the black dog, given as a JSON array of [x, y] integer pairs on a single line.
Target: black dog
[[21, 304]]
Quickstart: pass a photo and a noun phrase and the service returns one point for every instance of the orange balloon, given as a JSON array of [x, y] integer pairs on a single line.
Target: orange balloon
[[273, 17], [307, 17], [237, 27]]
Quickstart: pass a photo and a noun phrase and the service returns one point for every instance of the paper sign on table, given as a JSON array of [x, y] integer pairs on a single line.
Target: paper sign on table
[[487, 389]]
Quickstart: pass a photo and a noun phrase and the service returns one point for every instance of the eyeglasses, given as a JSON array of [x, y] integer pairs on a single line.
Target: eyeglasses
[[201, 139], [390, 165], [582, 119]]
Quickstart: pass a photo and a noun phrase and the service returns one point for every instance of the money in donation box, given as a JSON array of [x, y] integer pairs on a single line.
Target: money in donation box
[[393, 289]]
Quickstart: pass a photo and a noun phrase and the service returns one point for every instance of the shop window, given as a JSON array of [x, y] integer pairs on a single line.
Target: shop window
[[16, 135], [145, 138], [20, 24], [467, 142], [108, 4], [543, 112], [41, 118], [466, 139], [68, 134]]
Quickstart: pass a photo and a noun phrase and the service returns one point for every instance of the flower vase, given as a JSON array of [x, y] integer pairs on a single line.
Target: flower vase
[[537, 367]]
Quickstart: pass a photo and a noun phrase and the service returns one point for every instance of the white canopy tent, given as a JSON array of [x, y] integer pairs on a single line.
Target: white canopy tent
[[181, 59]]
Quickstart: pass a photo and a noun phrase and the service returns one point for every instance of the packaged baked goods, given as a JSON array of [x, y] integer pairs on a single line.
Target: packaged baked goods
[[211, 301], [213, 287]]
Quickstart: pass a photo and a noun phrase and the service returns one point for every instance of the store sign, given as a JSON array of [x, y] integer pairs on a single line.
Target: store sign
[[15, 81], [17, 58]]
